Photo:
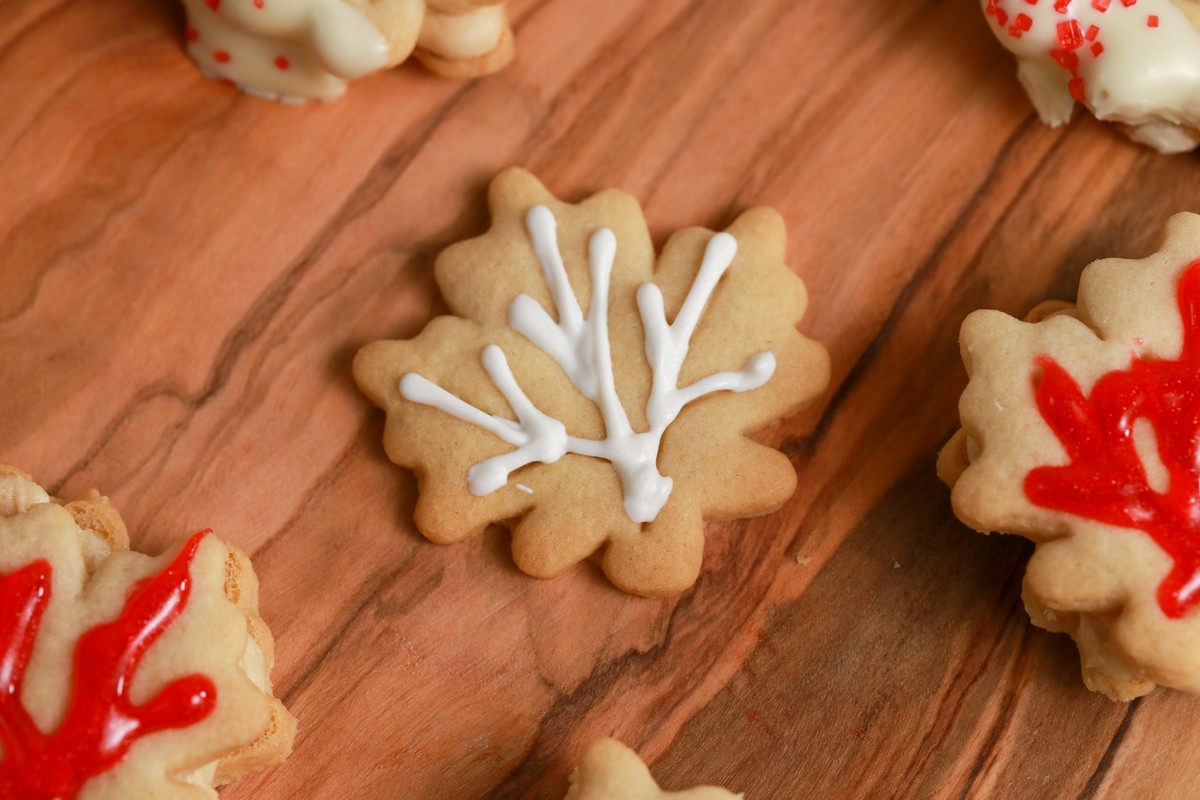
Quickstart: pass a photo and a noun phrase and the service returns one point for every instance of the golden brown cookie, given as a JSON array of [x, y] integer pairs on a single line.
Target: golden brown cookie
[[122, 675], [1132, 62], [591, 395], [608, 770], [1081, 431]]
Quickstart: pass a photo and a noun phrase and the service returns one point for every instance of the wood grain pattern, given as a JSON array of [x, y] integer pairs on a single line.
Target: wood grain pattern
[[187, 273]]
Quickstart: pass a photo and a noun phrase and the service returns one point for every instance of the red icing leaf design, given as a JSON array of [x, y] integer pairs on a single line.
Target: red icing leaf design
[[1106, 480], [101, 723]]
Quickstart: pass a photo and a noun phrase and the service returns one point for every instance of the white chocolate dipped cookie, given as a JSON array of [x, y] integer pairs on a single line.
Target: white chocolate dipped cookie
[[1132, 62], [301, 50]]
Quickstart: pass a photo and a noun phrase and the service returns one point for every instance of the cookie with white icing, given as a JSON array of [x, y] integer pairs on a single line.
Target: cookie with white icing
[[595, 397], [123, 675], [1081, 432], [1132, 62], [300, 50], [608, 770]]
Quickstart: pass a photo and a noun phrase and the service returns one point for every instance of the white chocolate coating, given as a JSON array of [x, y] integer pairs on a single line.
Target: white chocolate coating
[[301, 50], [291, 50], [1135, 62]]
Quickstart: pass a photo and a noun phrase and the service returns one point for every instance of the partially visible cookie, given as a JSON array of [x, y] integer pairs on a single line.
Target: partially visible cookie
[[126, 676], [608, 770], [594, 396], [1081, 431], [1132, 62], [465, 38], [301, 50]]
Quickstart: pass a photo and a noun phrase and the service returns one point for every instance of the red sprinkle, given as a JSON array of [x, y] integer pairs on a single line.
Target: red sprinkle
[[1076, 87], [1092, 33], [1128, 3], [1152, 21], [221, 57], [1070, 37], [281, 62], [1097, 49], [1061, 6], [215, 5], [1068, 60], [1101, 5], [994, 10], [192, 34], [1023, 22]]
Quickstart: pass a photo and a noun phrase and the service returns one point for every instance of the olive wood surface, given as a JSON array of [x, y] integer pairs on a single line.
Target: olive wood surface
[[188, 272]]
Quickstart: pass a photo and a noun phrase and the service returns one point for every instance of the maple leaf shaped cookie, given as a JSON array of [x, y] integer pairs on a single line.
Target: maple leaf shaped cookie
[[561, 402], [121, 675], [590, 396], [608, 770], [1081, 431]]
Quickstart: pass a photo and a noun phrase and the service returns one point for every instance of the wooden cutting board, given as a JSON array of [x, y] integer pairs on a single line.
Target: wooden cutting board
[[187, 273]]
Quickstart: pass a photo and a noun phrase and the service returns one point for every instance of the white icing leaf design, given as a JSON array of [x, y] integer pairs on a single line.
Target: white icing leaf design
[[580, 346]]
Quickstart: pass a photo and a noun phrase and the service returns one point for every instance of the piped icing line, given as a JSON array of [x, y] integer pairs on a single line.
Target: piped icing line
[[288, 49], [580, 346], [1130, 61]]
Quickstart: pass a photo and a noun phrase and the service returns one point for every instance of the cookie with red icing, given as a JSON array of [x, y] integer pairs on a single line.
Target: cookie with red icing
[[1132, 62], [608, 770], [1081, 431], [300, 50], [124, 675]]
